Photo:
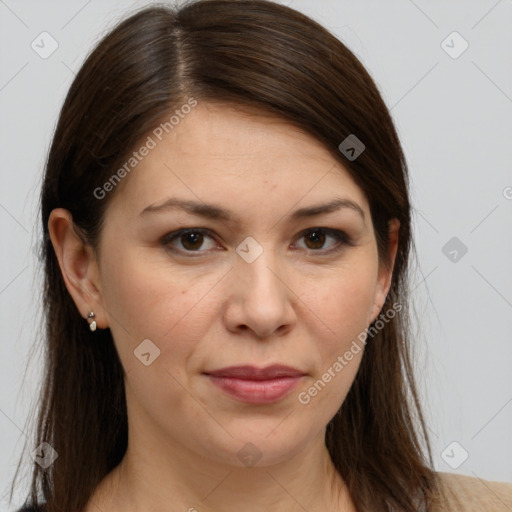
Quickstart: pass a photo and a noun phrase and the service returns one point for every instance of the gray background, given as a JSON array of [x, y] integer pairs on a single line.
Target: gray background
[[454, 117]]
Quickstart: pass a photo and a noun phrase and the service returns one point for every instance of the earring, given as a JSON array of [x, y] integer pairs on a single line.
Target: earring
[[92, 325]]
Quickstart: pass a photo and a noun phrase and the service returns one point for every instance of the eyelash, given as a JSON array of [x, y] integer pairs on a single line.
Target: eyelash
[[342, 238]]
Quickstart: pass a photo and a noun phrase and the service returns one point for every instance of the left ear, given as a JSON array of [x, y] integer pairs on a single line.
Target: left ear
[[386, 271]]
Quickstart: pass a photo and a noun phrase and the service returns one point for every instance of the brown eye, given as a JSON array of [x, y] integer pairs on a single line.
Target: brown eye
[[189, 241], [192, 241], [316, 239]]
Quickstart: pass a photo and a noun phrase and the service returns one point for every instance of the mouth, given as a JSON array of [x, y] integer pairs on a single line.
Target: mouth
[[254, 385]]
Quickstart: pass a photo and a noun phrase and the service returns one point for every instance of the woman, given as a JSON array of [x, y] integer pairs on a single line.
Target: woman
[[226, 243]]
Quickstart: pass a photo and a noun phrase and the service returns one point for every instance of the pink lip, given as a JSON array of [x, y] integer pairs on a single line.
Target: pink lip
[[254, 385]]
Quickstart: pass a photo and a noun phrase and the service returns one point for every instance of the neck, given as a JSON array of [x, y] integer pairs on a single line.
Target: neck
[[179, 480]]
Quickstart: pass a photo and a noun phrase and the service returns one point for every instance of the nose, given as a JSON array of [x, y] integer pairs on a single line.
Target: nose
[[260, 299]]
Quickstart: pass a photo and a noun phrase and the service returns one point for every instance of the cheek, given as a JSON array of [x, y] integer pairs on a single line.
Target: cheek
[[345, 302], [158, 303], [173, 311], [343, 309]]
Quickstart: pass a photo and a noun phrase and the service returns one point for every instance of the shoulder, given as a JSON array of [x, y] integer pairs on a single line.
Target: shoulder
[[472, 494], [32, 509]]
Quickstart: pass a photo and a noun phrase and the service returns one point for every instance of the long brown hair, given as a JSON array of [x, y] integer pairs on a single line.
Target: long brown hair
[[269, 57]]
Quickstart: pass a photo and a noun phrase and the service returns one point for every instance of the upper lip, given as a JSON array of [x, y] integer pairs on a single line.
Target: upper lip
[[249, 372]]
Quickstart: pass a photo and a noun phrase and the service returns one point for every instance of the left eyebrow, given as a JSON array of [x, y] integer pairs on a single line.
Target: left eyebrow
[[332, 206], [216, 212]]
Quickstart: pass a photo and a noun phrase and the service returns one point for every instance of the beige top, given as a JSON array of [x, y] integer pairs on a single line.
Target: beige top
[[472, 494]]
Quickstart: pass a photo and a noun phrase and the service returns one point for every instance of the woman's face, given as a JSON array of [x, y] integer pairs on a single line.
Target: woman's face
[[251, 284]]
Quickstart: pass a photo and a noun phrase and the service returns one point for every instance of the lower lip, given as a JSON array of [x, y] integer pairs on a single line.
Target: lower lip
[[256, 391]]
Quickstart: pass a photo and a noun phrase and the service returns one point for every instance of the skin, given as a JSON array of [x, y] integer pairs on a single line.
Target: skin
[[296, 304]]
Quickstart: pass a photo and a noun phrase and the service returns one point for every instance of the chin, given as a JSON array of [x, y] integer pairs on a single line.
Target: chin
[[268, 444]]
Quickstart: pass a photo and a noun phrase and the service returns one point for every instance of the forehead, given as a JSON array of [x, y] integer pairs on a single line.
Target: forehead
[[229, 132], [240, 158]]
